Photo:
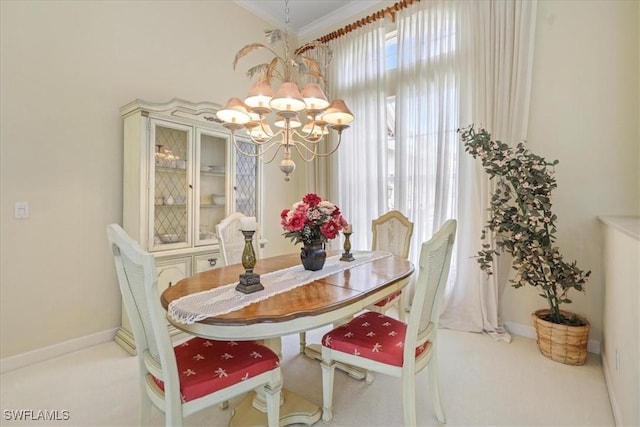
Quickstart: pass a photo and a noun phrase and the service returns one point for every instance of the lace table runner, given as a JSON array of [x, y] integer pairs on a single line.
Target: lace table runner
[[225, 299]]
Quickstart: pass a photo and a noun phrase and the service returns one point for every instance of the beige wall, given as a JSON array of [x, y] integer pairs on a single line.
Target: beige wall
[[67, 67], [584, 112]]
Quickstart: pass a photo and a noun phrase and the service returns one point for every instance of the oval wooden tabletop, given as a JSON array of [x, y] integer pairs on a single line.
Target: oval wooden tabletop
[[328, 294]]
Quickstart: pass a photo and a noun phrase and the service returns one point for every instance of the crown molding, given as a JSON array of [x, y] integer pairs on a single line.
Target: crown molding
[[323, 23]]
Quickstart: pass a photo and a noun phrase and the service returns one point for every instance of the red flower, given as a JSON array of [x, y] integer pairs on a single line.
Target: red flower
[[312, 199], [330, 230]]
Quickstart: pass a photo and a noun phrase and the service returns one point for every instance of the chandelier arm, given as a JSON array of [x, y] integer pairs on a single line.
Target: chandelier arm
[[269, 133], [334, 149], [261, 143], [261, 149], [314, 151], [306, 138], [301, 154], [275, 153]]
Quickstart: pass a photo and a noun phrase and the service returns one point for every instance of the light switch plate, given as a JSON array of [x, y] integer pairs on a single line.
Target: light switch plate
[[21, 210]]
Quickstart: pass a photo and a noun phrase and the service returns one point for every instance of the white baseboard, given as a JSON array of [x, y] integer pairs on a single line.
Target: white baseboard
[[528, 331], [41, 354]]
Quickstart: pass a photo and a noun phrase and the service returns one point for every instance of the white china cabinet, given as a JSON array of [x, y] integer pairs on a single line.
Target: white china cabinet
[[181, 178]]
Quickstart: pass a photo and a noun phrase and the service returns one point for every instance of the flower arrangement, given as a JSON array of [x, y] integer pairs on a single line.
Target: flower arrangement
[[312, 220], [521, 220]]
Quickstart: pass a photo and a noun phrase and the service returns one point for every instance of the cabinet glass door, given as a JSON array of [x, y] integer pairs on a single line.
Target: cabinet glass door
[[169, 186], [211, 182], [246, 174]]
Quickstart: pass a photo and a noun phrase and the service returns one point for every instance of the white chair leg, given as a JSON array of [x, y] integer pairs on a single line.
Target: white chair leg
[[173, 413], [273, 405], [432, 371], [369, 377], [328, 373], [409, 399]]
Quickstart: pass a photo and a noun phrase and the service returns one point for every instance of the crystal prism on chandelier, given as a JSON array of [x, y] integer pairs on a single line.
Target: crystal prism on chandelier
[[302, 118]]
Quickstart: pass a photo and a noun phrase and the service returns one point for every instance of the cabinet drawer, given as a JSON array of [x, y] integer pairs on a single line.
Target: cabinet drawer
[[171, 271], [208, 261]]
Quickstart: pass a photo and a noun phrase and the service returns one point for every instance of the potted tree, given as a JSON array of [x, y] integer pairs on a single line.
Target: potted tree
[[523, 225]]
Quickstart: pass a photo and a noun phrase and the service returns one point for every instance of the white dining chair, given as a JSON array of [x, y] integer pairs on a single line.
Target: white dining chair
[[380, 343], [197, 373], [391, 232], [231, 239]]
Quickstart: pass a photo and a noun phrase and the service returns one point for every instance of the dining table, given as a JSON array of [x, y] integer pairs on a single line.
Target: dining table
[[293, 300]]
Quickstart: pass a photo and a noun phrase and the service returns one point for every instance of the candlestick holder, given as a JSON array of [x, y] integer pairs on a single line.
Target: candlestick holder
[[249, 281], [347, 255]]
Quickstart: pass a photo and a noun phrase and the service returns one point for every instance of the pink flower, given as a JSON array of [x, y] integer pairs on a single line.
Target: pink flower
[[330, 230], [297, 222]]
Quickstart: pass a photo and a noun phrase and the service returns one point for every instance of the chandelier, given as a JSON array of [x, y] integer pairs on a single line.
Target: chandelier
[[302, 117]]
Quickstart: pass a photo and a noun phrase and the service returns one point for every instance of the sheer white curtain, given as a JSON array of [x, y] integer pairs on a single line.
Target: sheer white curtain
[[496, 94], [427, 114], [459, 62], [357, 74]]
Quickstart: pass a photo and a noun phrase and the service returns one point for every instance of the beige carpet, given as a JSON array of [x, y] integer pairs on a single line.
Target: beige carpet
[[483, 383]]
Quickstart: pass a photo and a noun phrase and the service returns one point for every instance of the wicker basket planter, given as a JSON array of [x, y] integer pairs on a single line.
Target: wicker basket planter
[[562, 343]]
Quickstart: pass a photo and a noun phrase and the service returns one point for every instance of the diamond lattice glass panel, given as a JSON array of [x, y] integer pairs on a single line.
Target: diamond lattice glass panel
[[170, 221], [246, 172]]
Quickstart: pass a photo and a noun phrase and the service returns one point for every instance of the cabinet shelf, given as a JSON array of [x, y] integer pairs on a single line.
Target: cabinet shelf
[[217, 174], [212, 206], [170, 170]]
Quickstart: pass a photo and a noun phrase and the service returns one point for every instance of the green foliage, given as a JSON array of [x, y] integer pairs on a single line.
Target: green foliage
[[521, 220]]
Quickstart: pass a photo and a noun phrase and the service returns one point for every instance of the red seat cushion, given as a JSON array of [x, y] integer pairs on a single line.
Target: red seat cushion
[[206, 366], [388, 299], [372, 336]]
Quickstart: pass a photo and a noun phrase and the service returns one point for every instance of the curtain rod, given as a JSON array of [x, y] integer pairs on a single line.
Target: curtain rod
[[389, 11]]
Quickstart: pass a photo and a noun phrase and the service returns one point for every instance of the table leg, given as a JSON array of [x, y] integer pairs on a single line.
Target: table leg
[[314, 351], [294, 409]]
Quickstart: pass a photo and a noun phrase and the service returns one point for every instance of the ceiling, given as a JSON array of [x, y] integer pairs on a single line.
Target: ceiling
[[308, 17]]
